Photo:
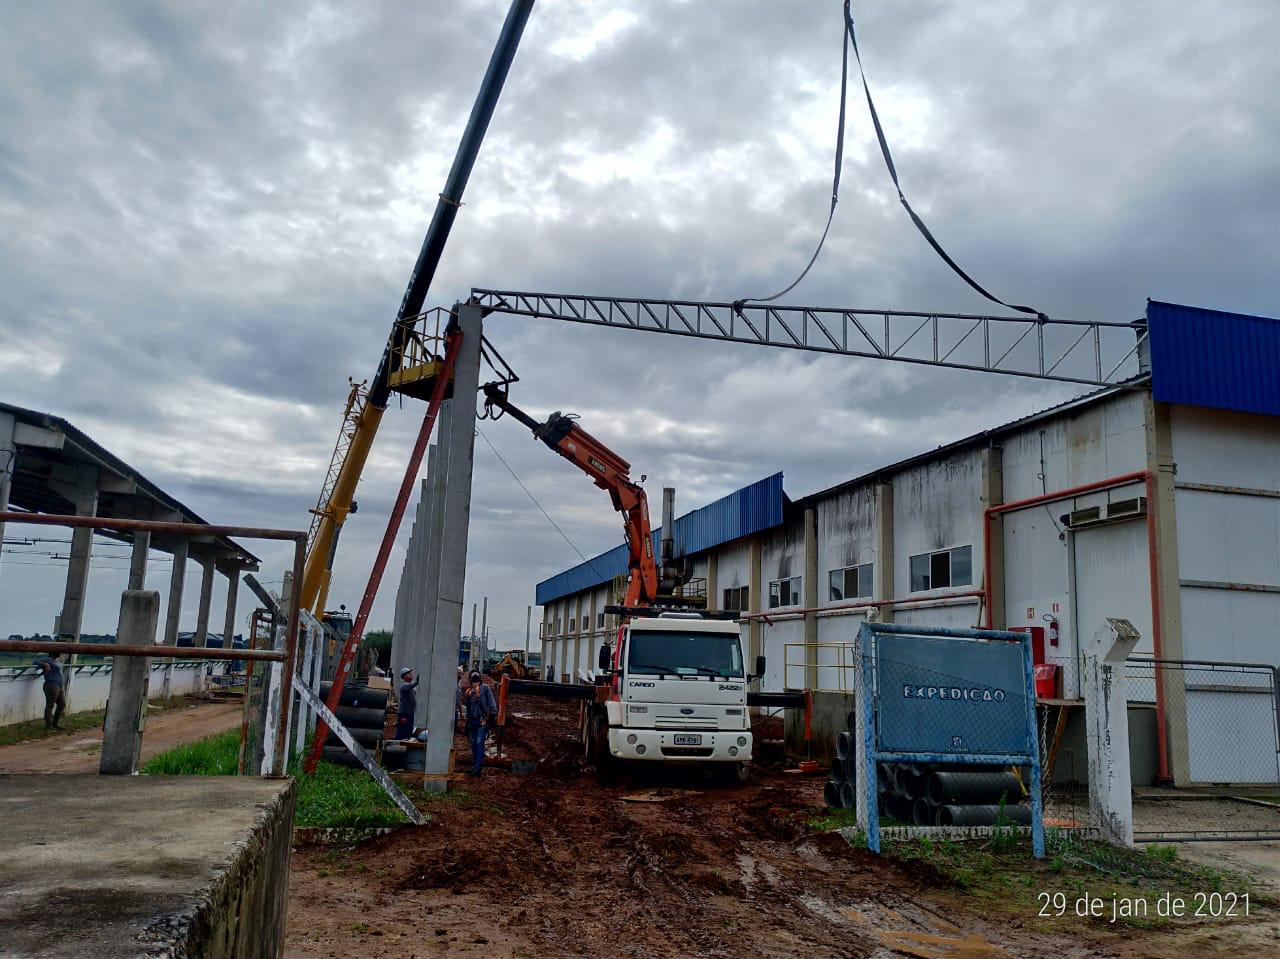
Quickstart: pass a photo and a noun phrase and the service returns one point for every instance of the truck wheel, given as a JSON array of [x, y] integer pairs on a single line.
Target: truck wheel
[[733, 774]]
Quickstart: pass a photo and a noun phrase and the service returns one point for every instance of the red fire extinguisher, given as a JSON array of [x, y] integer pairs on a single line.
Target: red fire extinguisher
[[1053, 630]]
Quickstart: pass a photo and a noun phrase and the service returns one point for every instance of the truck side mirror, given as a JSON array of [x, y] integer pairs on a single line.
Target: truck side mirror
[[605, 659], [759, 667]]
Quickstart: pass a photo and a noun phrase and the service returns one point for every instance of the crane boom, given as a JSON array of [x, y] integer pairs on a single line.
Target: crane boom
[[611, 473], [333, 513]]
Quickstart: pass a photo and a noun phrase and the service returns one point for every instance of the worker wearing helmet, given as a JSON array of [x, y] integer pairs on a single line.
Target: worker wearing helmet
[[478, 709], [408, 703]]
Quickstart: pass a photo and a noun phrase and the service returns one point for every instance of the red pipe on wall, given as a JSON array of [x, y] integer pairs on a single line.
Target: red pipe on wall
[[1147, 478]]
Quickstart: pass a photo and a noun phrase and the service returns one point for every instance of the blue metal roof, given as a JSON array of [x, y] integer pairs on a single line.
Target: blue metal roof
[[742, 512], [1201, 357]]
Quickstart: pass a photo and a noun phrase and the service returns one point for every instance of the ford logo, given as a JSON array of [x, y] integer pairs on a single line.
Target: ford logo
[[686, 711]]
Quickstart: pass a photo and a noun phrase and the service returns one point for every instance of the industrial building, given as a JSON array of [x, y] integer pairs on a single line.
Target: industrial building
[[1157, 501]]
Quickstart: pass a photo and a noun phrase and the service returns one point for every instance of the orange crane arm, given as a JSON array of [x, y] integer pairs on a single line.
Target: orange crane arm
[[611, 473]]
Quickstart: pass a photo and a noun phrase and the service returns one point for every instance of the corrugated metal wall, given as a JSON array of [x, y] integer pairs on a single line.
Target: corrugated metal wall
[[1214, 358], [742, 512]]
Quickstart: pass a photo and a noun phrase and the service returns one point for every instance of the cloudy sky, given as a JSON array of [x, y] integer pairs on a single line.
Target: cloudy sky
[[209, 211]]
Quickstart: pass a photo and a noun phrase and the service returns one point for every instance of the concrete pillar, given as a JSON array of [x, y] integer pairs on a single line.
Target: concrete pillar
[[882, 572], [85, 499], [993, 495], [576, 661], [713, 586], [456, 513], [8, 461], [754, 644], [810, 599], [1106, 711], [173, 611], [1167, 620], [593, 638], [206, 600], [229, 615], [127, 705], [432, 646]]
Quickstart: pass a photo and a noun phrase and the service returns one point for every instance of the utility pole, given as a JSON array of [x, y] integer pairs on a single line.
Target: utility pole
[[528, 624], [484, 633], [473, 637]]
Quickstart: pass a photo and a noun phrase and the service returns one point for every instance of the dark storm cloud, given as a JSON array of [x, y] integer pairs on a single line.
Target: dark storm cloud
[[208, 213]]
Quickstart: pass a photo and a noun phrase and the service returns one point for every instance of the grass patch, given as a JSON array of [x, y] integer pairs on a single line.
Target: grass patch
[[212, 756], [999, 874], [331, 797], [340, 796], [832, 819]]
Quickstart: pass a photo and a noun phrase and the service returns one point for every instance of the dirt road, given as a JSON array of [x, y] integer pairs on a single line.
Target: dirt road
[[78, 752], [553, 864]]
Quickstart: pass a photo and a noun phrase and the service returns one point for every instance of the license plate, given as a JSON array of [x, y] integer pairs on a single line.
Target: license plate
[[688, 739]]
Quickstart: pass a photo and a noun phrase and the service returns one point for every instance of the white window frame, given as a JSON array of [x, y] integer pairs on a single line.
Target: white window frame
[[859, 593], [930, 557], [795, 592]]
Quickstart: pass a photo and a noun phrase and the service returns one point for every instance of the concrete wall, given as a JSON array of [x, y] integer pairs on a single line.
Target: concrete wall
[[22, 692], [145, 865]]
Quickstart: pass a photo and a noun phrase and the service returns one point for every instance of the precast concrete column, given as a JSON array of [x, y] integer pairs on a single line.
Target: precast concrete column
[[592, 638], [8, 461], [1166, 585], [810, 601], [1106, 714], [713, 591], [229, 614], [173, 612], [993, 495], [754, 559], [882, 572], [201, 636], [447, 625], [437, 653], [85, 498], [127, 705]]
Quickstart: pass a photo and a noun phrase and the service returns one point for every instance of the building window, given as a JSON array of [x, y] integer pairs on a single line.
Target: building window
[[599, 620], [573, 624], [852, 582], [784, 592], [737, 598], [946, 567]]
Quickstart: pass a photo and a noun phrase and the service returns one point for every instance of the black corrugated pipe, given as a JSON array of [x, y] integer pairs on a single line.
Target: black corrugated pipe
[[844, 745], [952, 815], [853, 720], [838, 771], [885, 778], [922, 814], [831, 793], [848, 795], [949, 788], [851, 769]]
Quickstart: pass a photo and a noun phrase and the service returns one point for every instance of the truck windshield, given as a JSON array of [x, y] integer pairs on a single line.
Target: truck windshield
[[654, 653]]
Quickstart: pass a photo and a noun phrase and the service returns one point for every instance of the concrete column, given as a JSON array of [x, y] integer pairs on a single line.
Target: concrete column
[[1106, 711], [882, 572], [456, 512], [127, 705], [593, 639], [437, 652], [1167, 620], [173, 611], [993, 495], [713, 586], [8, 461], [577, 639], [206, 600], [754, 556], [85, 499], [229, 614], [138, 560], [810, 599]]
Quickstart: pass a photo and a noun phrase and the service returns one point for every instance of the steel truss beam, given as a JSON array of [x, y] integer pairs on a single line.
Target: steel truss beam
[[1095, 353]]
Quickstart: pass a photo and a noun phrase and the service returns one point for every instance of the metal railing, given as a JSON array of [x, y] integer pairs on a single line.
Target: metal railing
[[285, 656]]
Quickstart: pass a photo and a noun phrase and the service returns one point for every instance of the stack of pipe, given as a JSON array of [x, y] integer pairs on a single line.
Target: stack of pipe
[[364, 712]]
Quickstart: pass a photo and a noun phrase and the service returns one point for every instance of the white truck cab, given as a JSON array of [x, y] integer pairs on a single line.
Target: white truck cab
[[679, 694]]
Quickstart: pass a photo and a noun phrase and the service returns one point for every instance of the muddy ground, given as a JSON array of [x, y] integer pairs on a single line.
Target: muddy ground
[[79, 752], [553, 864]]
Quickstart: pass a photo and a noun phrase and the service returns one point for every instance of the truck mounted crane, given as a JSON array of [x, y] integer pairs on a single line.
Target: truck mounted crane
[[673, 687]]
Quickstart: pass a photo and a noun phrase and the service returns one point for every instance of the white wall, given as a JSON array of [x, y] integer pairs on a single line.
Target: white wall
[[1228, 538], [22, 691]]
